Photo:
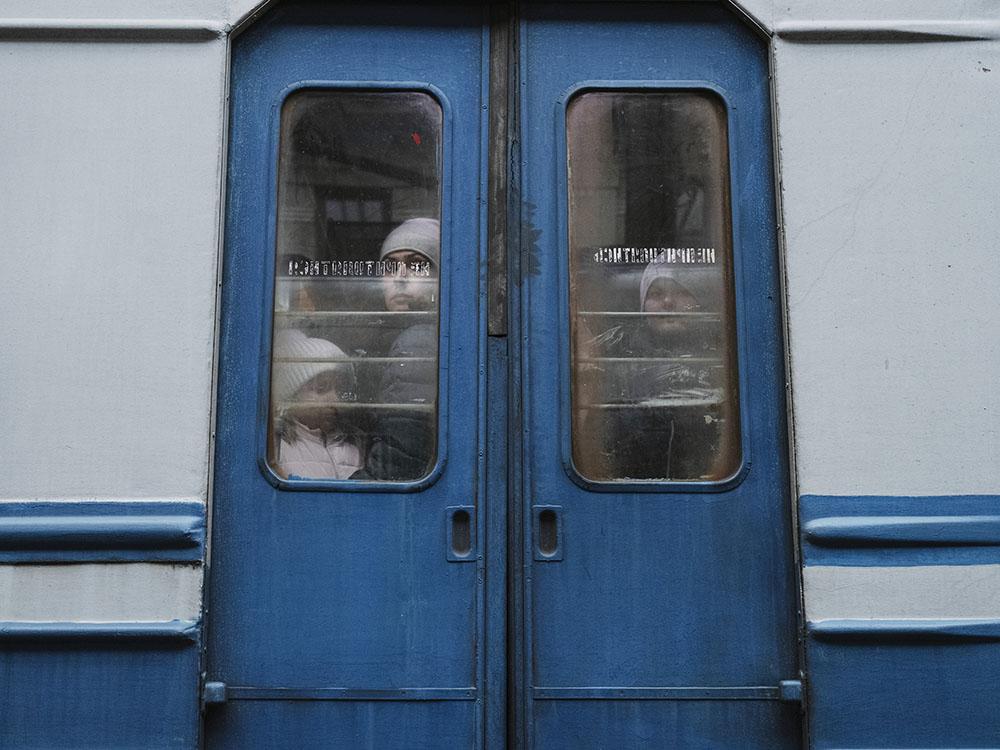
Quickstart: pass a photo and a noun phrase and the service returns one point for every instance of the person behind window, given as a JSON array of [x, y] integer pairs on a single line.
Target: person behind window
[[314, 439], [666, 422], [404, 441]]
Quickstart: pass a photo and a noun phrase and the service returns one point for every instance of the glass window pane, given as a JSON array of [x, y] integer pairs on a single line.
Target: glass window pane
[[354, 358], [654, 389]]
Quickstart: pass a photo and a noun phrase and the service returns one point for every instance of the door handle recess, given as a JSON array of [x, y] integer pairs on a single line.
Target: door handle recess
[[461, 533], [547, 530]]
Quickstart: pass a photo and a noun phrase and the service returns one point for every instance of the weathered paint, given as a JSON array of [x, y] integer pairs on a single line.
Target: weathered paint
[[772, 15], [108, 305], [678, 585], [155, 9], [361, 600], [161, 530], [112, 161]]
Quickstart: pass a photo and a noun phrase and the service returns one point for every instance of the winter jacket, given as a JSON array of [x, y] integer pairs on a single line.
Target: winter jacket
[[304, 453], [405, 439]]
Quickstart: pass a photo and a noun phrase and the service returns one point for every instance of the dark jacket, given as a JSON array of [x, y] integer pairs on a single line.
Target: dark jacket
[[651, 406], [405, 440]]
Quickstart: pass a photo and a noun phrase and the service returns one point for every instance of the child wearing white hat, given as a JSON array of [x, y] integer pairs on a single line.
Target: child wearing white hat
[[312, 439]]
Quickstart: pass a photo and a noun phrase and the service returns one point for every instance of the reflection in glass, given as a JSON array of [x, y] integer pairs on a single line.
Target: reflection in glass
[[654, 388], [354, 358]]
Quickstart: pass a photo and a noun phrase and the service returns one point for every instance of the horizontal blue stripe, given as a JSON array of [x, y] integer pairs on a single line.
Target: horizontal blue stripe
[[238, 693], [126, 531], [905, 631], [72, 532], [903, 531], [752, 692], [172, 630], [900, 531]]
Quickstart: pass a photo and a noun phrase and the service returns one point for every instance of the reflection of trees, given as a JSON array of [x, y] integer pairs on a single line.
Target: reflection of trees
[[668, 148]]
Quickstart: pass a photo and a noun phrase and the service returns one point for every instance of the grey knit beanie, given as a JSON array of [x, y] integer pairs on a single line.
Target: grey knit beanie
[[699, 281], [421, 235]]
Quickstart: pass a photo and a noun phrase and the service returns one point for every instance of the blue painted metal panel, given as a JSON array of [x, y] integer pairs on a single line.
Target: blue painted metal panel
[[902, 683], [323, 602], [100, 690], [89, 531], [495, 537], [100, 684], [358, 725], [897, 688], [661, 587], [660, 693], [639, 725], [900, 531]]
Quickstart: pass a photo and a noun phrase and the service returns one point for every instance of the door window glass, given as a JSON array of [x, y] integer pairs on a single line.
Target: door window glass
[[355, 345], [654, 379]]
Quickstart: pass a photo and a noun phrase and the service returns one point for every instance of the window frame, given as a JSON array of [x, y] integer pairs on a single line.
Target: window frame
[[267, 302], [565, 358]]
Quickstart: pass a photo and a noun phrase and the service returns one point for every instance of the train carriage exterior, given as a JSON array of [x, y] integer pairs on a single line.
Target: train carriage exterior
[[536, 375]]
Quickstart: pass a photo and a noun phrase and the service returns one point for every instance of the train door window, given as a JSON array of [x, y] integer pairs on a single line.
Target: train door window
[[654, 377], [355, 344]]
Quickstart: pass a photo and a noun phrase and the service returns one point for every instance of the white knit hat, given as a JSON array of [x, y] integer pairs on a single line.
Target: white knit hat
[[421, 235], [699, 281], [288, 377]]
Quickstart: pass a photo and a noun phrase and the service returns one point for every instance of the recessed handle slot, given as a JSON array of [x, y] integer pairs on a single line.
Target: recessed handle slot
[[461, 533], [548, 532]]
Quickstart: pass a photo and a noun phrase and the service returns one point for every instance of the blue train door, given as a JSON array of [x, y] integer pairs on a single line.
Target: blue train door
[[501, 451], [346, 603], [660, 606]]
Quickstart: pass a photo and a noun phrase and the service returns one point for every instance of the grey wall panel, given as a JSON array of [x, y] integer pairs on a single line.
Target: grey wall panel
[[160, 9], [111, 164], [889, 191]]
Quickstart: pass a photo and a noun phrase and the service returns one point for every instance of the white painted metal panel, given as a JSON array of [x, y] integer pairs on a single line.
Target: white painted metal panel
[[133, 592], [921, 592], [889, 169], [174, 9], [111, 164]]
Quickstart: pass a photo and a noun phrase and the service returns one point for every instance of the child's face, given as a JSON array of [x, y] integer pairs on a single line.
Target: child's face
[[413, 286], [316, 401], [323, 388]]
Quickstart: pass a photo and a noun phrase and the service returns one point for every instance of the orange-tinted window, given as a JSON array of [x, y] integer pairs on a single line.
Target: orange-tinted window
[[654, 376]]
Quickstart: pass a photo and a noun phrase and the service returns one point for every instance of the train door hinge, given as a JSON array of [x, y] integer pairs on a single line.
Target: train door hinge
[[789, 691], [213, 694]]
